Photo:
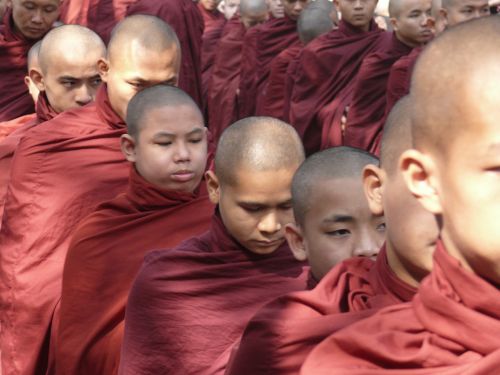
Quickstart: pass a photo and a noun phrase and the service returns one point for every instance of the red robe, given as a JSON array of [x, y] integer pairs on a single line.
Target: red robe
[[188, 306], [186, 20], [8, 127], [367, 108], [15, 99], [281, 335], [248, 81], [61, 170], [328, 66], [222, 94], [116, 237], [451, 327], [273, 103]]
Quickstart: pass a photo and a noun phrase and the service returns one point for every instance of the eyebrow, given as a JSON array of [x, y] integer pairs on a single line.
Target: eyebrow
[[494, 148], [339, 219], [167, 134]]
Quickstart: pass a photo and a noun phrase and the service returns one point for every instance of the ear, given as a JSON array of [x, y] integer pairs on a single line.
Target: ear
[[127, 144], [37, 78], [373, 181], [293, 235], [103, 68], [336, 2], [394, 23], [213, 187], [419, 172], [444, 14]]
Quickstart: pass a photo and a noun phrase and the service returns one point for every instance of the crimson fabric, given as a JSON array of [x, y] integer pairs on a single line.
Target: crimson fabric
[[248, 80], [452, 326], [61, 170], [104, 256], [15, 100], [8, 127], [188, 306], [273, 103], [290, 79], [281, 335], [328, 66], [222, 94], [187, 22], [366, 111]]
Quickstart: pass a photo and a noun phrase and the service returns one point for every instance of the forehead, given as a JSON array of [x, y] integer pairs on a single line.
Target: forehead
[[458, 4], [134, 58], [173, 119], [269, 186], [40, 3], [408, 6]]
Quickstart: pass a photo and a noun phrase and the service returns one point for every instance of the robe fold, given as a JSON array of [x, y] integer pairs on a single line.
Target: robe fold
[[327, 68], [61, 170], [15, 99], [281, 335], [222, 93], [189, 306], [104, 255], [367, 109], [8, 127], [452, 326], [187, 22]]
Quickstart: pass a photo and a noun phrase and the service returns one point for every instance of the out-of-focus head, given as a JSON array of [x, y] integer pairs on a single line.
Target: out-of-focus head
[[253, 12], [34, 18], [33, 65], [458, 11], [312, 23], [293, 8], [358, 13], [411, 21], [229, 8], [328, 7], [437, 17], [276, 8], [210, 5]]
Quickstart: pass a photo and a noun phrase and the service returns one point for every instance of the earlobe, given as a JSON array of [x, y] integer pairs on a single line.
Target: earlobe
[[394, 23], [373, 178], [37, 78], [444, 14], [127, 144], [103, 68], [213, 187], [293, 235]]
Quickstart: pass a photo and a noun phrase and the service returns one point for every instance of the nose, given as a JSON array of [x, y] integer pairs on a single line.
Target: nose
[[476, 14], [367, 246], [84, 95], [269, 223], [181, 152], [298, 6], [426, 20], [358, 4], [37, 16]]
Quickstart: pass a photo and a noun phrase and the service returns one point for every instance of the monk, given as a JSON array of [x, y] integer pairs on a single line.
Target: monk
[[229, 8], [452, 325], [61, 170], [189, 305], [312, 22], [162, 206], [22, 27], [185, 18], [223, 88], [458, 11], [327, 66], [284, 332], [411, 24], [276, 9]]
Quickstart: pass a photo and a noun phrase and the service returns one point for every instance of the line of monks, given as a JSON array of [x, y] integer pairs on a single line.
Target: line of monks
[[253, 187]]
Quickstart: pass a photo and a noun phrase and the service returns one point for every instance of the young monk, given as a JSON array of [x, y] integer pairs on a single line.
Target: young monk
[[229, 8], [22, 27], [411, 22], [189, 305], [452, 326], [458, 11], [282, 334], [276, 9], [167, 144], [61, 170]]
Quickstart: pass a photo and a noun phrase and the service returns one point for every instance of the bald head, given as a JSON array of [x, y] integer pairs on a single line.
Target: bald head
[[313, 21], [257, 144], [33, 56], [328, 7], [152, 98], [251, 7], [458, 11], [334, 163]]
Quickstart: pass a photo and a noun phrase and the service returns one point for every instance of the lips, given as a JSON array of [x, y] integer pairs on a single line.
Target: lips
[[182, 176], [270, 243]]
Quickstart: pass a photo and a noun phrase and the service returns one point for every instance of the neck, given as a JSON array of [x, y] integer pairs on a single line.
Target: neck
[[399, 268], [406, 42]]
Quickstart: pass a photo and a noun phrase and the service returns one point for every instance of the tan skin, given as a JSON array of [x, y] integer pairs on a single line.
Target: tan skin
[[466, 10], [411, 24], [34, 18], [358, 13], [293, 8]]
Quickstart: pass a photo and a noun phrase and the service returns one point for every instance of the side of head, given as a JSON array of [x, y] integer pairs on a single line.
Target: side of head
[[253, 12], [210, 5], [229, 8], [293, 8], [255, 161], [458, 11], [313, 22], [411, 21], [358, 13], [166, 138], [454, 170], [332, 219], [67, 71], [411, 232], [143, 51], [33, 65], [438, 17], [276, 8], [34, 18]]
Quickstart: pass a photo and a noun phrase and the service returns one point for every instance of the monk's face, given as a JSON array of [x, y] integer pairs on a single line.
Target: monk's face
[[412, 25], [465, 10], [293, 8], [229, 8], [170, 150], [256, 208], [135, 68], [209, 5], [357, 12], [34, 18], [276, 8], [254, 19]]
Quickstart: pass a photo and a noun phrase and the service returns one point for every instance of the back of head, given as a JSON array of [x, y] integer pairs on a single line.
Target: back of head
[[257, 144], [334, 163], [33, 56], [313, 21], [252, 7]]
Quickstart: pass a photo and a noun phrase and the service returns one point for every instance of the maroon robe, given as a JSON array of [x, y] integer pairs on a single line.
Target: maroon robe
[[248, 81], [281, 335], [61, 170], [451, 327], [188, 306], [8, 127], [187, 22], [115, 238], [327, 69]]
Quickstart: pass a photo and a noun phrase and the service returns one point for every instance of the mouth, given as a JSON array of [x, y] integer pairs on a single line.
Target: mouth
[[269, 243], [182, 176]]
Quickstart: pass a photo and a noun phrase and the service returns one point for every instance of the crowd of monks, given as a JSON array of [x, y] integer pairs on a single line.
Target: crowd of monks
[[246, 187]]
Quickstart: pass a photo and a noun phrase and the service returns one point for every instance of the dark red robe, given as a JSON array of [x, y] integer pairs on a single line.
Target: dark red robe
[[281, 335], [186, 20], [451, 327], [367, 109], [15, 99], [115, 238], [61, 170], [248, 81], [327, 69], [8, 127], [188, 306]]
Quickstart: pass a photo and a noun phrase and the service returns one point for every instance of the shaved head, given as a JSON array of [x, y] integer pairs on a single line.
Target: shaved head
[[252, 7], [149, 99], [328, 7], [313, 21], [257, 144], [395, 7], [396, 136], [33, 56], [334, 163]]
